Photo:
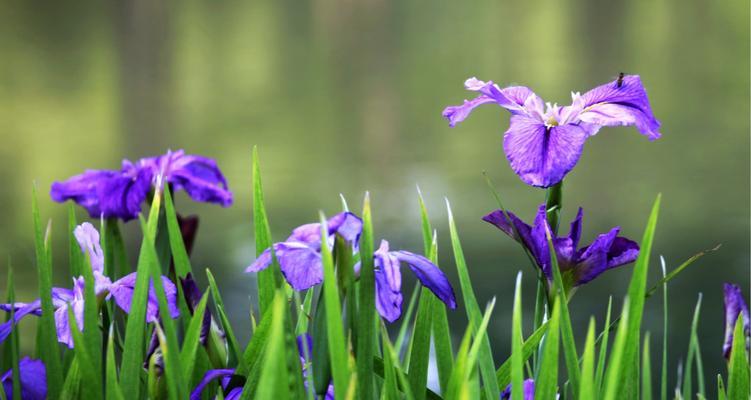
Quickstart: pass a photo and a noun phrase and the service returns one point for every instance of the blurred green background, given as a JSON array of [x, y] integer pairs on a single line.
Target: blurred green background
[[345, 96]]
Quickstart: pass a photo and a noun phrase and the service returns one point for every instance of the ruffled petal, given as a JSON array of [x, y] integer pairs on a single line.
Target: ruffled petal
[[199, 176], [262, 262], [209, 376], [121, 196], [82, 189], [542, 156], [389, 264], [735, 305], [88, 238], [33, 377], [430, 275], [347, 225], [388, 301], [301, 264], [622, 251], [593, 259], [612, 104]]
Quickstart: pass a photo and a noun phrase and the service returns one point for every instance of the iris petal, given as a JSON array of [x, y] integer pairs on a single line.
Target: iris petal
[[735, 305], [430, 275]]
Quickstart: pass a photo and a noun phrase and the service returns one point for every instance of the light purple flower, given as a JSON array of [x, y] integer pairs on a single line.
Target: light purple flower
[[120, 194], [528, 393], [607, 251], [33, 377], [388, 278], [544, 142], [300, 255], [121, 291], [734, 306]]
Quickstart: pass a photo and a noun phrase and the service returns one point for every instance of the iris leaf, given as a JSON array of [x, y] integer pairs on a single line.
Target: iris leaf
[[646, 370], [738, 367], [546, 384], [587, 388], [366, 335], [268, 280]]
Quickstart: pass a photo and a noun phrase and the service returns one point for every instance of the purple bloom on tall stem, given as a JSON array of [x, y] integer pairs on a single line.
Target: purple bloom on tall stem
[[580, 265], [544, 142], [735, 305], [388, 278], [299, 256], [121, 291], [33, 376], [120, 193]]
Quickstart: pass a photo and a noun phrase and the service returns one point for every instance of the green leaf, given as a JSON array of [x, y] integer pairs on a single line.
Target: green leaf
[[177, 246], [115, 258], [274, 379], [664, 372], [92, 336], [192, 338], [268, 280], [322, 367], [335, 330], [252, 364], [692, 347], [546, 384], [366, 313], [738, 368], [92, 389], [419, 358], [303, 318], [629, 384], [587, 389], [674, 273], [567, 333], [487, 368], [390, 389], [232, 344], [503, 375], [48, 347], [402, 378], [614, 372], [135, 330], [112, 387], [721, 394], [72, 386], [646, 371], [517, 358], [602, 357]]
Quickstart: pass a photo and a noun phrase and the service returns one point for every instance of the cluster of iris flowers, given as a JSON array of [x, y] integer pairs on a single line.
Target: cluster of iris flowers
[[542, 144]]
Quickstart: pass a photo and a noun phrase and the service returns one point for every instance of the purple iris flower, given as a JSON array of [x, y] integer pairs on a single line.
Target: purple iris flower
[[734, 306], [529, 391], [582, 265], [33, 380], [121, 291], [544, 142], [120, 193], [300, 255], [388, 278]]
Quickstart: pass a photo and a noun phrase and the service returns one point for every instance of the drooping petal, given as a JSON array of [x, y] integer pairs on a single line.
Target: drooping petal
[[88, 238], [456, 114], [575, 231], [122, 291], [389, 264], [593, 259], [430, 275], [622, 251], [542, 155], [199, 176], [301, 264], [612, 104], [33, 377], [520, 231], [516, 99], [20, 311], [209, 376], [82, 189], [261, 263], [121, 196], [735, 305], [388, 301]]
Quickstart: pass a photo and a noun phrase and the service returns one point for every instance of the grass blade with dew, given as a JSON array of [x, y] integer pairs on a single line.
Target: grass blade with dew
[[232, 344], [474, 314], [687, 389], [546, 384], [49, 348], [629, 382], [646, 370], [567, 334], [587, 388], [738, 367], [366, 334], [517, 360], [268, 279], [335, 330]]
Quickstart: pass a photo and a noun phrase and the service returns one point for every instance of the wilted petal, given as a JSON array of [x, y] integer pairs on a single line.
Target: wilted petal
[[301, 264], [627, 104], [88, 238], [541, 155], [33, 377], [388, 301], [735, 305], [430, 275]]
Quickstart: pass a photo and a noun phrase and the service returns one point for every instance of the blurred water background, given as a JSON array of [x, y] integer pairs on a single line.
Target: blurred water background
[[345, 96]]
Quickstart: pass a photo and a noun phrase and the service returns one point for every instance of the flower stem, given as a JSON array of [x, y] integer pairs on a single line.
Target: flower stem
[[553, 204]]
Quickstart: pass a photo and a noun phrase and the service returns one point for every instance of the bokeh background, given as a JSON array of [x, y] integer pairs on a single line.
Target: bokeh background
[[345, 96]]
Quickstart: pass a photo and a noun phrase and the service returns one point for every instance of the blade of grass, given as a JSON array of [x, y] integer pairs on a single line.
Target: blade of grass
[[721, 394], [390, 389], [335, 331], [72, 385], [177, 246], [115, 258], [674, 273], [602, 357], [517, 361], [92, 336], [664, 372], [48, 349], [232, 344], [587, 388], [687, 376], [629, 382], [646, 371], [366, 313], [615, 366], [546, 384], [487, 368], [192, 338], [503, 375], [268, 280], [738, 368], [112, 387], [273, 382], [92, 389]]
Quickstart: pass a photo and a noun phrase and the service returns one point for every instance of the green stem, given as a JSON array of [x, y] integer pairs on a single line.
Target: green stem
[[553, 204]]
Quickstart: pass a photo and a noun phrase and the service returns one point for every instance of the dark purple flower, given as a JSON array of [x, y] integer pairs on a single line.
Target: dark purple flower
[[119, 194], [388, 278], [300, 255], [231, 391], [121, 290], [33, 380], [582, 265], [529, 391], [734, 306], [544, 142]]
